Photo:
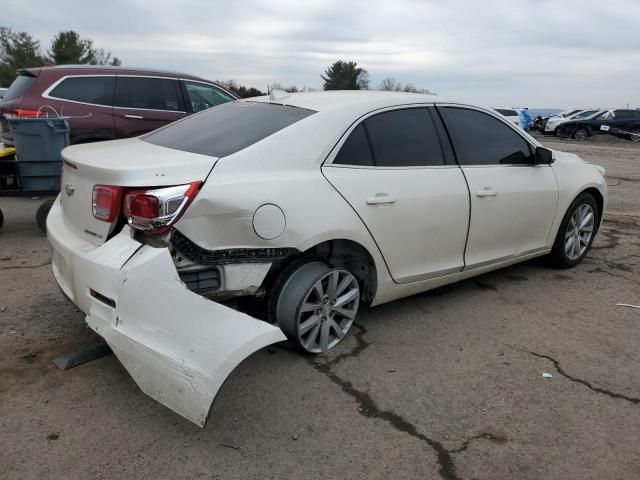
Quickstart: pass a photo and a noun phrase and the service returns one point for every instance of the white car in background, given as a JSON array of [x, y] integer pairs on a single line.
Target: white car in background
[[510, 114], [311, 205], [553, 123]]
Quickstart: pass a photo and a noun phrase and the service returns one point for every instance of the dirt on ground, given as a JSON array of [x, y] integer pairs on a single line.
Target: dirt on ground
[[527, 373]]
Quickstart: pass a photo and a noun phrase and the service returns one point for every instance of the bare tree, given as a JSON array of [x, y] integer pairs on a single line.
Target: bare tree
[[390, 84]]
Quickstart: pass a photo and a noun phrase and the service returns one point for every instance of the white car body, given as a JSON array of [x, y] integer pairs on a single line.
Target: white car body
[[413, 229], [510, 114], [554, 122]]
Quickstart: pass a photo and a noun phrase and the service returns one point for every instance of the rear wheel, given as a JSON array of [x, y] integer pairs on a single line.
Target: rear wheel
[[317, 305], [635, 135], [576, 232], [581, 134], [41, 215]]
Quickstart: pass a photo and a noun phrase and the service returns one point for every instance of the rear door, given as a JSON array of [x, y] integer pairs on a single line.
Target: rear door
[[513, 201], [144, 103], [396, 170]]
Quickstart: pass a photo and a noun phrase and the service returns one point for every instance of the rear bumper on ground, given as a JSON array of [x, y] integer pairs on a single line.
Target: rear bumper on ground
[[178, 346]]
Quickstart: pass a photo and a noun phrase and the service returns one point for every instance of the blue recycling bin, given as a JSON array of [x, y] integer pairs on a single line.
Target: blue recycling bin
[[38, 143]]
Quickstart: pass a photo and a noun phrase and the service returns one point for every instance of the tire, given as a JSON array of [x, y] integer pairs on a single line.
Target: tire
[[316, 305], [1, 218], [572, 244], [581, 134], [41, 215], [635, 135]]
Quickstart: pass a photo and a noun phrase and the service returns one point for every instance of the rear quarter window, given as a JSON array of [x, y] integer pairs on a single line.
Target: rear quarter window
[[19, 87], [94, 90], [227, 128]]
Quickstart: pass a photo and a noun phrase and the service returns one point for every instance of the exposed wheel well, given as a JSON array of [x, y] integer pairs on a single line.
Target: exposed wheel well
[[342, 253], [351, 256]]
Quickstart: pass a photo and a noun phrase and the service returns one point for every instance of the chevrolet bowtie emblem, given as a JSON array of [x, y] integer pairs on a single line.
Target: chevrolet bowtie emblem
[[68, 188]]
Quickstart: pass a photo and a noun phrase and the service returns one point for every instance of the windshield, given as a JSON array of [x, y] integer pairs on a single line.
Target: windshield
[[227, 128], [569, 113], [507, 112], [586, 113]]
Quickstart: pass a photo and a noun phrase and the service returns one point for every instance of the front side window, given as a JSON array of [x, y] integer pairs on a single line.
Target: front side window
[[480, 139], [148, 93], [203, 96], [399, 138], [96, 90]]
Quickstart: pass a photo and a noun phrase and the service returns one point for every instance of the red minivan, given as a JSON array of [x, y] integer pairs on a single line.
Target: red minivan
[[106, 103]]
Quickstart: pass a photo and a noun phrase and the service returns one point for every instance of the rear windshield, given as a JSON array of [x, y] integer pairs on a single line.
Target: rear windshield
[[19, 86], [227, 128], [507, 113]]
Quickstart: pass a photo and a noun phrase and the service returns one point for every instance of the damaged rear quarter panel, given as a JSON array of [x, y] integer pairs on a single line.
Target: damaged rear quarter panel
[[178, 346]]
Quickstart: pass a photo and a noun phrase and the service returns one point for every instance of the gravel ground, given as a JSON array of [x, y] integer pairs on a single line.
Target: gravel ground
[[447, 384]]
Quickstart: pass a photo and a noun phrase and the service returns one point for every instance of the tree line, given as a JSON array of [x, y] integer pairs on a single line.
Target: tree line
[[20, 50]]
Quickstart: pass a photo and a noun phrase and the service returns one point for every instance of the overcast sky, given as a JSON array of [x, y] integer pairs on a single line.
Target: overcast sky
[[536, 53]]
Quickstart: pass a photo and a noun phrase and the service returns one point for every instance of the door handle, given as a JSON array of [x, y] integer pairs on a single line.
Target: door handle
[[487, 192], [379, 198], [134, 117]]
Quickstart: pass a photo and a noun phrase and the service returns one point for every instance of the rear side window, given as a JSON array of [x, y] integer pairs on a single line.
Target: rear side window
[[400, 138], [19, 87], [203, 96], [148, 93], [96, 90], [355, 150], [227, 128], [480, 139]]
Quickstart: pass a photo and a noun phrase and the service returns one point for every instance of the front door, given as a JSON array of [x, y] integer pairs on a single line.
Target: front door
[[513, 201], [394, 173]]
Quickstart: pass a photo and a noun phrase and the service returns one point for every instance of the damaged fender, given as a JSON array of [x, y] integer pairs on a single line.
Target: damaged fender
[[178, 346]]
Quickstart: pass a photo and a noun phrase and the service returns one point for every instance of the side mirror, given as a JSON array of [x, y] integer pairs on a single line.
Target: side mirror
[[543, 156]]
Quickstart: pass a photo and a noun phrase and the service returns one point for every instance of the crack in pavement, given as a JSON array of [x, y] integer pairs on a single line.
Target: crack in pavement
[[556, 364], [492, 437], [616, 275], [18, 267], [369, 409]]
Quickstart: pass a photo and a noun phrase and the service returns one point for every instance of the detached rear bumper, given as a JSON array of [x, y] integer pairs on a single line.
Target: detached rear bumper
[[178, 346]]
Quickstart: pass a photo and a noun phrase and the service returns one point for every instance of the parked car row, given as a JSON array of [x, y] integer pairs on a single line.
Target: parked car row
[[581, 124], [106, 103]]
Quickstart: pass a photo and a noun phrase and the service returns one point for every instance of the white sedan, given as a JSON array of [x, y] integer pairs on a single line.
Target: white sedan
[[310, 205], [510, 114]]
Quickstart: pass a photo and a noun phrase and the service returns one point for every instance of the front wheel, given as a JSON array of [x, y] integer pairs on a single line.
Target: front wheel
[[635, 135], [317, 305], [576, 232]]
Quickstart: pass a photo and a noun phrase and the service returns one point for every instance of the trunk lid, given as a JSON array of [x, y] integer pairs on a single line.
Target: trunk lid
[[129, 163]]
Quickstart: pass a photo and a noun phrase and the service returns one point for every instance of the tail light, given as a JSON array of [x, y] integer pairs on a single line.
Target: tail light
[[151, 210], [23, 112], [155, 210], [106, 201]]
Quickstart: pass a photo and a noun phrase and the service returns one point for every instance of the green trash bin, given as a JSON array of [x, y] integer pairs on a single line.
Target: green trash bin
[[38, 143]]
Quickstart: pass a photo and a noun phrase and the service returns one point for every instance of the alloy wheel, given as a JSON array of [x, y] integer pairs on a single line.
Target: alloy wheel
[[635, 136], [581, 134], [579, 231], [328, 310]]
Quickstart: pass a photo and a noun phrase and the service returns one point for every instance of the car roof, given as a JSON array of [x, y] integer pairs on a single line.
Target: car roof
[[112, 69], [336, 99]]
